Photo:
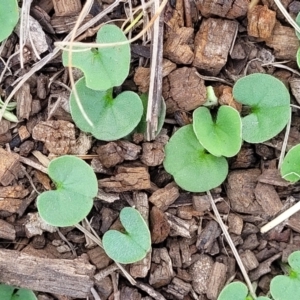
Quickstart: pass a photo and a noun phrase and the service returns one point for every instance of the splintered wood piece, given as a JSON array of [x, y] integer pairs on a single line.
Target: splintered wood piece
[[249, 260], [24, 100], [235, 224], [9, 166], [58, 136], [240, 191], [127, 179], [188, 212], [159, 225], [216, 280], [183, 90], [163, 198], [178, 227], [200, 272], [66, 7], [229, 9], [153, 154], [140, 269], [261, 21], [284, 42], [208, 236], [64, 277], [23, 133], [212, 44], [161, 269], [178, 288], [7, 231], [268, 198], [178, 48]]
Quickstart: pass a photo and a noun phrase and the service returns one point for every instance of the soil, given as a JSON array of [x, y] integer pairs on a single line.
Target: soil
[[205, 43]]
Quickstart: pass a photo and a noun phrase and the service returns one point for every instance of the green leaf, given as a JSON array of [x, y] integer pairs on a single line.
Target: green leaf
[[76, 185], [193, 168], [8, 292], [290, 168], [269, 101], [9, 16], [132, 245], [142, 126], [298, 23], [112, 118], [103, 68], [298, 57], [222, 137], [288, 287]]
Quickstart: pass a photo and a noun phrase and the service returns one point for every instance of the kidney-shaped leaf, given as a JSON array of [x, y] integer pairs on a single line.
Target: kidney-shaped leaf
[[269, 101], [222, 137], [288, 287], [133, 244], [193, 168], [9, 16], [76, 186], [290, 168], [103, 68], [8, 292], [112, 118]]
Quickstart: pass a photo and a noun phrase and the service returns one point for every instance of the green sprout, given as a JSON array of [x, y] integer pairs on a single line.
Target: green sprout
[[8, 292], [290, 167], [8, 115]]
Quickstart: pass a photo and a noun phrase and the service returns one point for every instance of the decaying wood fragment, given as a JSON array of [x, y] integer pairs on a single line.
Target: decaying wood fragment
[[58, 136], [161, 269], [45, 275], [9, 167], [66, 7], [268, 198], [159, 226], [201, 203], [153, 154], [216, 280], [174, 252], [9, 206], [208, 236], [7, 231], [261, 21], [127, 179], [178, 227], [24, 100], [249, 260], [284, 42], [229, 9], [98, 257], [16, 191], [162, 198], [178, 48], [178, 288], [183, 90], [188, 212], [235, 224], [212, 44], [200, 272]]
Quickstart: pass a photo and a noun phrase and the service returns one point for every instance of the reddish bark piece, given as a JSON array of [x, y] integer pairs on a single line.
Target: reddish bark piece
[[162, 198], [10, 206], [240, 191], [268, 198], [159, 225], [229, 9], [183, 90], [66, 7], [188, 212], [284, 42], [216, 280], [177, 47], [9, 166], [23, 133], [58, 136], [127, 179], [261, 21], [142, 79], [24, 100], [200, 271], [98, 257], [224, 94], [161, 272], [212, 44], [45, 275], [153, 154], [16, 191]]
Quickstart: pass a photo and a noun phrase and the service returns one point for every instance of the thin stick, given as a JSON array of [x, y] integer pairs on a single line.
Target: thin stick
[[285, 141], [281, 218], [230, 242]]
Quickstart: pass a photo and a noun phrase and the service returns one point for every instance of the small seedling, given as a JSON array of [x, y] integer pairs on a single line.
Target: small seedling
[[9, 16], [8, 292], [269, 102], [290, 167], [103, 68], [298, 36], [284, 287], [142, 126], [76, 186], [193, 168], [133, 244], [222, 137], [237, 291], [112, 118], [211, 98], [8, 115]]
